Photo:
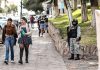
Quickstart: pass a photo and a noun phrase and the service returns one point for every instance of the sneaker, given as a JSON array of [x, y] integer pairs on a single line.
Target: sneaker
[[6, 62], [12, 61]]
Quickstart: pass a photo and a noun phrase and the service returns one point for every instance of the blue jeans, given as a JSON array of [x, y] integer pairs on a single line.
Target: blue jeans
[[9, 43]]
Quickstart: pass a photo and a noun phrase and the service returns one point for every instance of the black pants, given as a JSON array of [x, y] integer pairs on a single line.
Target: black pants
[[26, 47]]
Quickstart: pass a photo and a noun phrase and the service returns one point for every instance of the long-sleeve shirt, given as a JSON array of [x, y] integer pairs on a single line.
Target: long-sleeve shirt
[[78, 32]]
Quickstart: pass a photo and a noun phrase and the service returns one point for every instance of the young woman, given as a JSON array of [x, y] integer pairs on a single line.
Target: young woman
[[8, 37], [24, 39]]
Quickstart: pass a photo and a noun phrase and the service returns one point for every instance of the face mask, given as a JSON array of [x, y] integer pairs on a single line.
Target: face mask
[[74, 24]]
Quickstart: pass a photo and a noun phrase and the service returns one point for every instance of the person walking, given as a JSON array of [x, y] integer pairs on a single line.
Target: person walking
[[42, 25], [32, 21], [8, 38], [24, 39], [74, 36]]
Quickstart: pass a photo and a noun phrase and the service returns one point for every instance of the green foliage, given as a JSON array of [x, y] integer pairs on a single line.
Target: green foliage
[[34, 5], [13, 7], [1, 10]]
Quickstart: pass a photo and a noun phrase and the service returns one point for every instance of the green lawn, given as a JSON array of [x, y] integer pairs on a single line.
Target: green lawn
[[88, 33]]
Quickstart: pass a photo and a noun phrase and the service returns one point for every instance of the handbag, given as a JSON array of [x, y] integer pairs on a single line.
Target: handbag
[[22, 33]]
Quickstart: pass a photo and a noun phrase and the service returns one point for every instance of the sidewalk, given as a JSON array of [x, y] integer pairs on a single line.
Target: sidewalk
[[42, 56], [81, 64]]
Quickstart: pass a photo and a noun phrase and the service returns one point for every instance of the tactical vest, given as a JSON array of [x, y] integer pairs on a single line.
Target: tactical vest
[[73, 32]]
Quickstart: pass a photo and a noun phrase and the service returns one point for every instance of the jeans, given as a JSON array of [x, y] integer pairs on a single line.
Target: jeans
[[9, 43]]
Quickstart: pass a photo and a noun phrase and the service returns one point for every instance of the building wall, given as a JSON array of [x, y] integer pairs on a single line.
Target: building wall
[[2, 5]]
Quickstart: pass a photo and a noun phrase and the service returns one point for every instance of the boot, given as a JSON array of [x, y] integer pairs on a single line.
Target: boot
[[72, 57], [26, 60], [20, 61], [77, 57]]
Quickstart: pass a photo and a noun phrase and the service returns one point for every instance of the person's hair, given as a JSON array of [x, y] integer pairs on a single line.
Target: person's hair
[[9, 19], [24, 19]]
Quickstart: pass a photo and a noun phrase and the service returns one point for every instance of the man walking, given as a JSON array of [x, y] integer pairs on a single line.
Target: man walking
[[8, 37]]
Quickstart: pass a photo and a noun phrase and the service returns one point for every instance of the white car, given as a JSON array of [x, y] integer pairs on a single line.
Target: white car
[[3, 21]]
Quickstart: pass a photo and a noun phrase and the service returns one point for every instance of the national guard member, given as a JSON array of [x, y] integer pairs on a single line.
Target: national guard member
[[74, 36]]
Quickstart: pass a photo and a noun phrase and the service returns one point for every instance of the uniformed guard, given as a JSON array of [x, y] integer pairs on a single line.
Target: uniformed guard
[[74, 36]]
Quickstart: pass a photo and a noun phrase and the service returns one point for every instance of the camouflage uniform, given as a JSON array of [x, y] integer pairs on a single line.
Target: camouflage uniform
[[74, 44], [74, 36]]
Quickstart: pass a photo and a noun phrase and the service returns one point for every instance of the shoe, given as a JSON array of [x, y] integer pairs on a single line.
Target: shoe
[[72, 57], [20, 62], [12, 61], [77, 57], [6, 62], [26, 60]]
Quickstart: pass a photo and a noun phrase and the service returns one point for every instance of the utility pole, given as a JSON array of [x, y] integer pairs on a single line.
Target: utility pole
[[21, 10]]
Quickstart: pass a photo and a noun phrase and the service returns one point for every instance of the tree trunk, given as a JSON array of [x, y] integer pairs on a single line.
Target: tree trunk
[[94, 5], [78, 2], [69, 11], [93, 22], [0, 3], [84, 11], [74, 4], [56, 10]]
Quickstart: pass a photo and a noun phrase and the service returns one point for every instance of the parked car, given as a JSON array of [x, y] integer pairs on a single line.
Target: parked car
[[3, 21]]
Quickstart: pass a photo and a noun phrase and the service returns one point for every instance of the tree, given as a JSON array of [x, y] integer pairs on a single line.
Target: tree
[[13, 7], [56, 10], [1, 10], [34, 5], [94, 5], [69, 11], [84, 11], [74, 4], [6, 3], [7, 10]]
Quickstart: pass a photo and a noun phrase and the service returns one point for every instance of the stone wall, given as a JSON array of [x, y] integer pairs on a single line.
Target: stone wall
[[60, 44]]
